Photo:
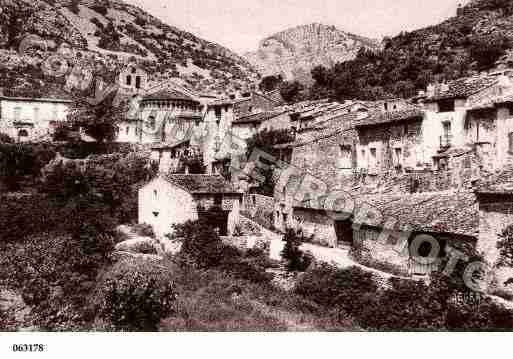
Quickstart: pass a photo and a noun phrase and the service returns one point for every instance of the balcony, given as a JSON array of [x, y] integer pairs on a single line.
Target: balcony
[[445, 142]]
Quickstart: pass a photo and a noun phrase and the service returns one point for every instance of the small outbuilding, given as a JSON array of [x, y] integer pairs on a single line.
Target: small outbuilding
[[176, 198]]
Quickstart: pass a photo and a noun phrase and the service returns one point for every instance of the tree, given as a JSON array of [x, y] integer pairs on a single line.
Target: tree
[[265, 141], [291, 91], [270, 83], [294, 257], [97, 120]]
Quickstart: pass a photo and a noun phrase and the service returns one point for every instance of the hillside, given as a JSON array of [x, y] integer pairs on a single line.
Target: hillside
[[478, 38], [112, 33], [294, 52]]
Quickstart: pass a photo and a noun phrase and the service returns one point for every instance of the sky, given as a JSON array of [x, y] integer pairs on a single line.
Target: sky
[[241, 24]]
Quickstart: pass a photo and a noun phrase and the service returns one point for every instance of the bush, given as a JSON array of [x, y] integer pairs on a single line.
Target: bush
[[295, 259], [201, 244], [135, 295], [4, 138], [144, 230], [350, 289]]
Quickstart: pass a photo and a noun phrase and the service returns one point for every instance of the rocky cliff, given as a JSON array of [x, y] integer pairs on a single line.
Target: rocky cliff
[[294, 52], [114, 33]]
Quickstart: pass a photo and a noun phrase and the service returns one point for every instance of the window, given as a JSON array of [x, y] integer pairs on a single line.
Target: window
[[398, 156], [36, 114], [446, 106], [127, 130], [218, 115], [446, 135], [138, 82], [129, 80], [151, 123], [386, 106], [373, 159], [16, 113], [155, 194], [345, 157], [156, 214], [22, 133], [510, 138]]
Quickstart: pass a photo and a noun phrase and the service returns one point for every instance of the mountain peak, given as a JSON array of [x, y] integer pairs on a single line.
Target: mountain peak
[[294, 52]]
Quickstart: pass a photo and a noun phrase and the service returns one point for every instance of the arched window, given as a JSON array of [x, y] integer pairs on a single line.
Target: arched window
[[22, 133]]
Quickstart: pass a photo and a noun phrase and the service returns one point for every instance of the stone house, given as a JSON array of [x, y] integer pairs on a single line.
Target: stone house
[[133, 80], [167, 115], [389, 141], [447, 124], [469, 221], [31, 119], [176, 198]]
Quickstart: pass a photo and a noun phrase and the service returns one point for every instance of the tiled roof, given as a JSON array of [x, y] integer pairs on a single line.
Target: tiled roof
[[382, 117], [201, 183], [464, 87], [164, 146], [258, 117], [500, 182], [435, 212], [168, 94]]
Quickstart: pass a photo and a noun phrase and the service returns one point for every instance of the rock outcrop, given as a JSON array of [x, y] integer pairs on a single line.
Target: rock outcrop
[[293, 53]]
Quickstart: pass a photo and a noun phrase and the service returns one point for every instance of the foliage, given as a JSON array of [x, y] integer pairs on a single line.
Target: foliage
[[291, 91], [135, 295], [193, 162], [112, 179], [408, 62], [97, 120], [201, 244], [73, 7], [52, 262], [294, 257], [505, 246], [402, 304], [264, 142], [4, 138], [270, 83], [144, 230], [19, 162]]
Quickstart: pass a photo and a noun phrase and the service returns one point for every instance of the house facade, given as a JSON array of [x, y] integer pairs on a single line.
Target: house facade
[[31, 119], [175, 199]]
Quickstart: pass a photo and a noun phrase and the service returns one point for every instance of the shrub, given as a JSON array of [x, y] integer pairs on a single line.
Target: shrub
[[136, 295], [201, 243], [4, 138], [350, 289], [144, 230], [295, 259]]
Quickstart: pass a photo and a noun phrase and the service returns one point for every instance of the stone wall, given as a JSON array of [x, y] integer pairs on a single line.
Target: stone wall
[[260, 209], [366, 249], [494, 216], [317, 226], [396, 145], [325, 159]]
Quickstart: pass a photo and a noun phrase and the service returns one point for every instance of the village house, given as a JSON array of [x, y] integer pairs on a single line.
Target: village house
[[31, 119], [390, 141], [461, 118], [177, 198]]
